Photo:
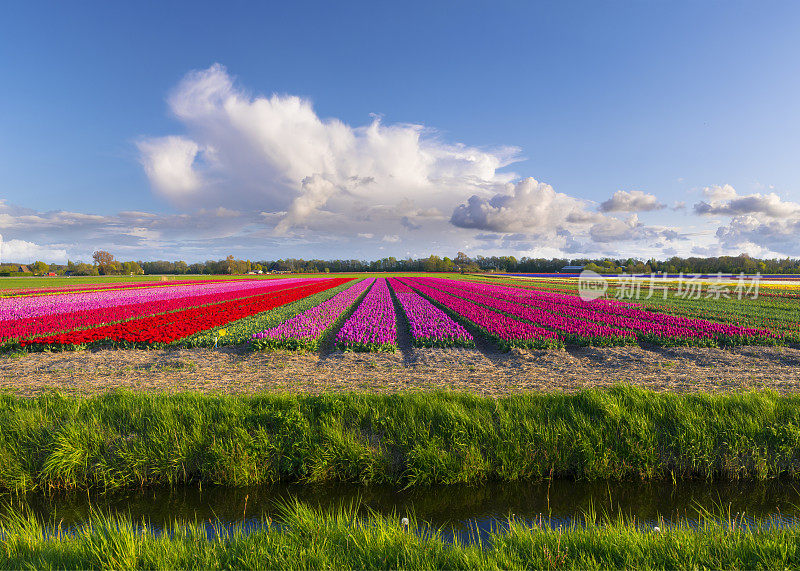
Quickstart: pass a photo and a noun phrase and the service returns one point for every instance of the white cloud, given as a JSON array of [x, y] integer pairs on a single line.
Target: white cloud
[[169, 164], [615, 230], [725, 200], [633, 201], [528, 206], [760, 224], [274, 153], [22, 251]]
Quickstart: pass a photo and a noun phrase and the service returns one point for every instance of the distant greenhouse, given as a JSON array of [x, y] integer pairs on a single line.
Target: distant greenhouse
[[571, 269]]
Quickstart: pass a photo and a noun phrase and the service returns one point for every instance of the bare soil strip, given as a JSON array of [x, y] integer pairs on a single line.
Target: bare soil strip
[[481, 371]]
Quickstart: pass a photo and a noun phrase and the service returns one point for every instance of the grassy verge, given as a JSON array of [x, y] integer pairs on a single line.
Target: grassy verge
[[309, 539], [125, 439], [241, 331]]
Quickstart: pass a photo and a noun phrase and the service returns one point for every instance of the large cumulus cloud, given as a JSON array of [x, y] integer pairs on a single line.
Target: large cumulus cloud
[[528, 206], [762, 224], [275, 154]]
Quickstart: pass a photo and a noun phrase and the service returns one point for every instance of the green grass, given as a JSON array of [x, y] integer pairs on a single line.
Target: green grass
[[311, 539], [125, 439]]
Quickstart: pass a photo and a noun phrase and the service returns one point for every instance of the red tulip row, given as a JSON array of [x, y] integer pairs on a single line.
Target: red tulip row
[[40, 325], [168, 327]]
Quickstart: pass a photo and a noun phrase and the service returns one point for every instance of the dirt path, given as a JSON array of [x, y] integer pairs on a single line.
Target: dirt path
[[481, 370]]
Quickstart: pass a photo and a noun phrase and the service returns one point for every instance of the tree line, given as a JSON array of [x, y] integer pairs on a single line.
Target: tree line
[[104, 263]]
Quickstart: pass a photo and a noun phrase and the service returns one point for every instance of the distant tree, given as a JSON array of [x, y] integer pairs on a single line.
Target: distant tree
[[132, 268], [40, 268], [81, 269], [105, 262], [592, 267], [102, 257]]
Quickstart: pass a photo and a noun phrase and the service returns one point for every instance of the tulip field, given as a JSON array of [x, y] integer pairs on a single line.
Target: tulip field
[[370, 314]]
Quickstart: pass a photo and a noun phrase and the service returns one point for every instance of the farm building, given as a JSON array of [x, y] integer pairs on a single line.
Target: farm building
[[571, 269]]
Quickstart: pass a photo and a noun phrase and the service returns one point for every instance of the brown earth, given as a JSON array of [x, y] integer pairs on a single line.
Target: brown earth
[[481, 371]]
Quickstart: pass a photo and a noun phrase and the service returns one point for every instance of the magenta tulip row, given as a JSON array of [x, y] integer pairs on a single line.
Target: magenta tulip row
[[429, 325], [686, 325], [110, 307], [596, 320], [372, 325], [661, 322], [305, 330], [505, 330]]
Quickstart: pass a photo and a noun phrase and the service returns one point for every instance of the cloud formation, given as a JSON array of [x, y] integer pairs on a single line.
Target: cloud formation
[[726, 201], [528, 206], [22, 251], [274, 153], [760, 224], [633, 201]]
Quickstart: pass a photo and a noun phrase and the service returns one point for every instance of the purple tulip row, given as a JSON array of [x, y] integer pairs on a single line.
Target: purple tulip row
[[429, 325], [601, 320], [304, 331], [505, 330], [372, 325]]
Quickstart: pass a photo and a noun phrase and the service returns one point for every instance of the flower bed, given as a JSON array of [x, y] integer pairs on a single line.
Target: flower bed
[[506, 331], [601, 322], [429, 325], [372, 327], [241, 331], [306, 330], [157, 330], [92, 310]]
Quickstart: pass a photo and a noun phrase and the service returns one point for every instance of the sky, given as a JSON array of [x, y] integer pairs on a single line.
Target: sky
[[194, 130]]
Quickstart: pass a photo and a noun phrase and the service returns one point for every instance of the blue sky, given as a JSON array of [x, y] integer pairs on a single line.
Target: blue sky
[[190, 130]]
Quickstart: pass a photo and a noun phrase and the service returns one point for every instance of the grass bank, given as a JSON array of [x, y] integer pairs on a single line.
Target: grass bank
[[309, 539], [128, 439]]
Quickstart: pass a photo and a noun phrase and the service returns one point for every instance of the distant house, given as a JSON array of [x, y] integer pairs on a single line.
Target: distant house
[[24, 270], [571, 269]]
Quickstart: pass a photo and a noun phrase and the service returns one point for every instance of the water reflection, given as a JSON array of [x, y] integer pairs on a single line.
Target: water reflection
[[458, 509]]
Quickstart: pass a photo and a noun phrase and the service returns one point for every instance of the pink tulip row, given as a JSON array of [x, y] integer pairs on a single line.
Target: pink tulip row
[[304, 331], [575, 330], [93, 288], [506, 331], [429, 325], [687, 326], [624, 318], [107, 307], [629, 310], [372, 325]]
